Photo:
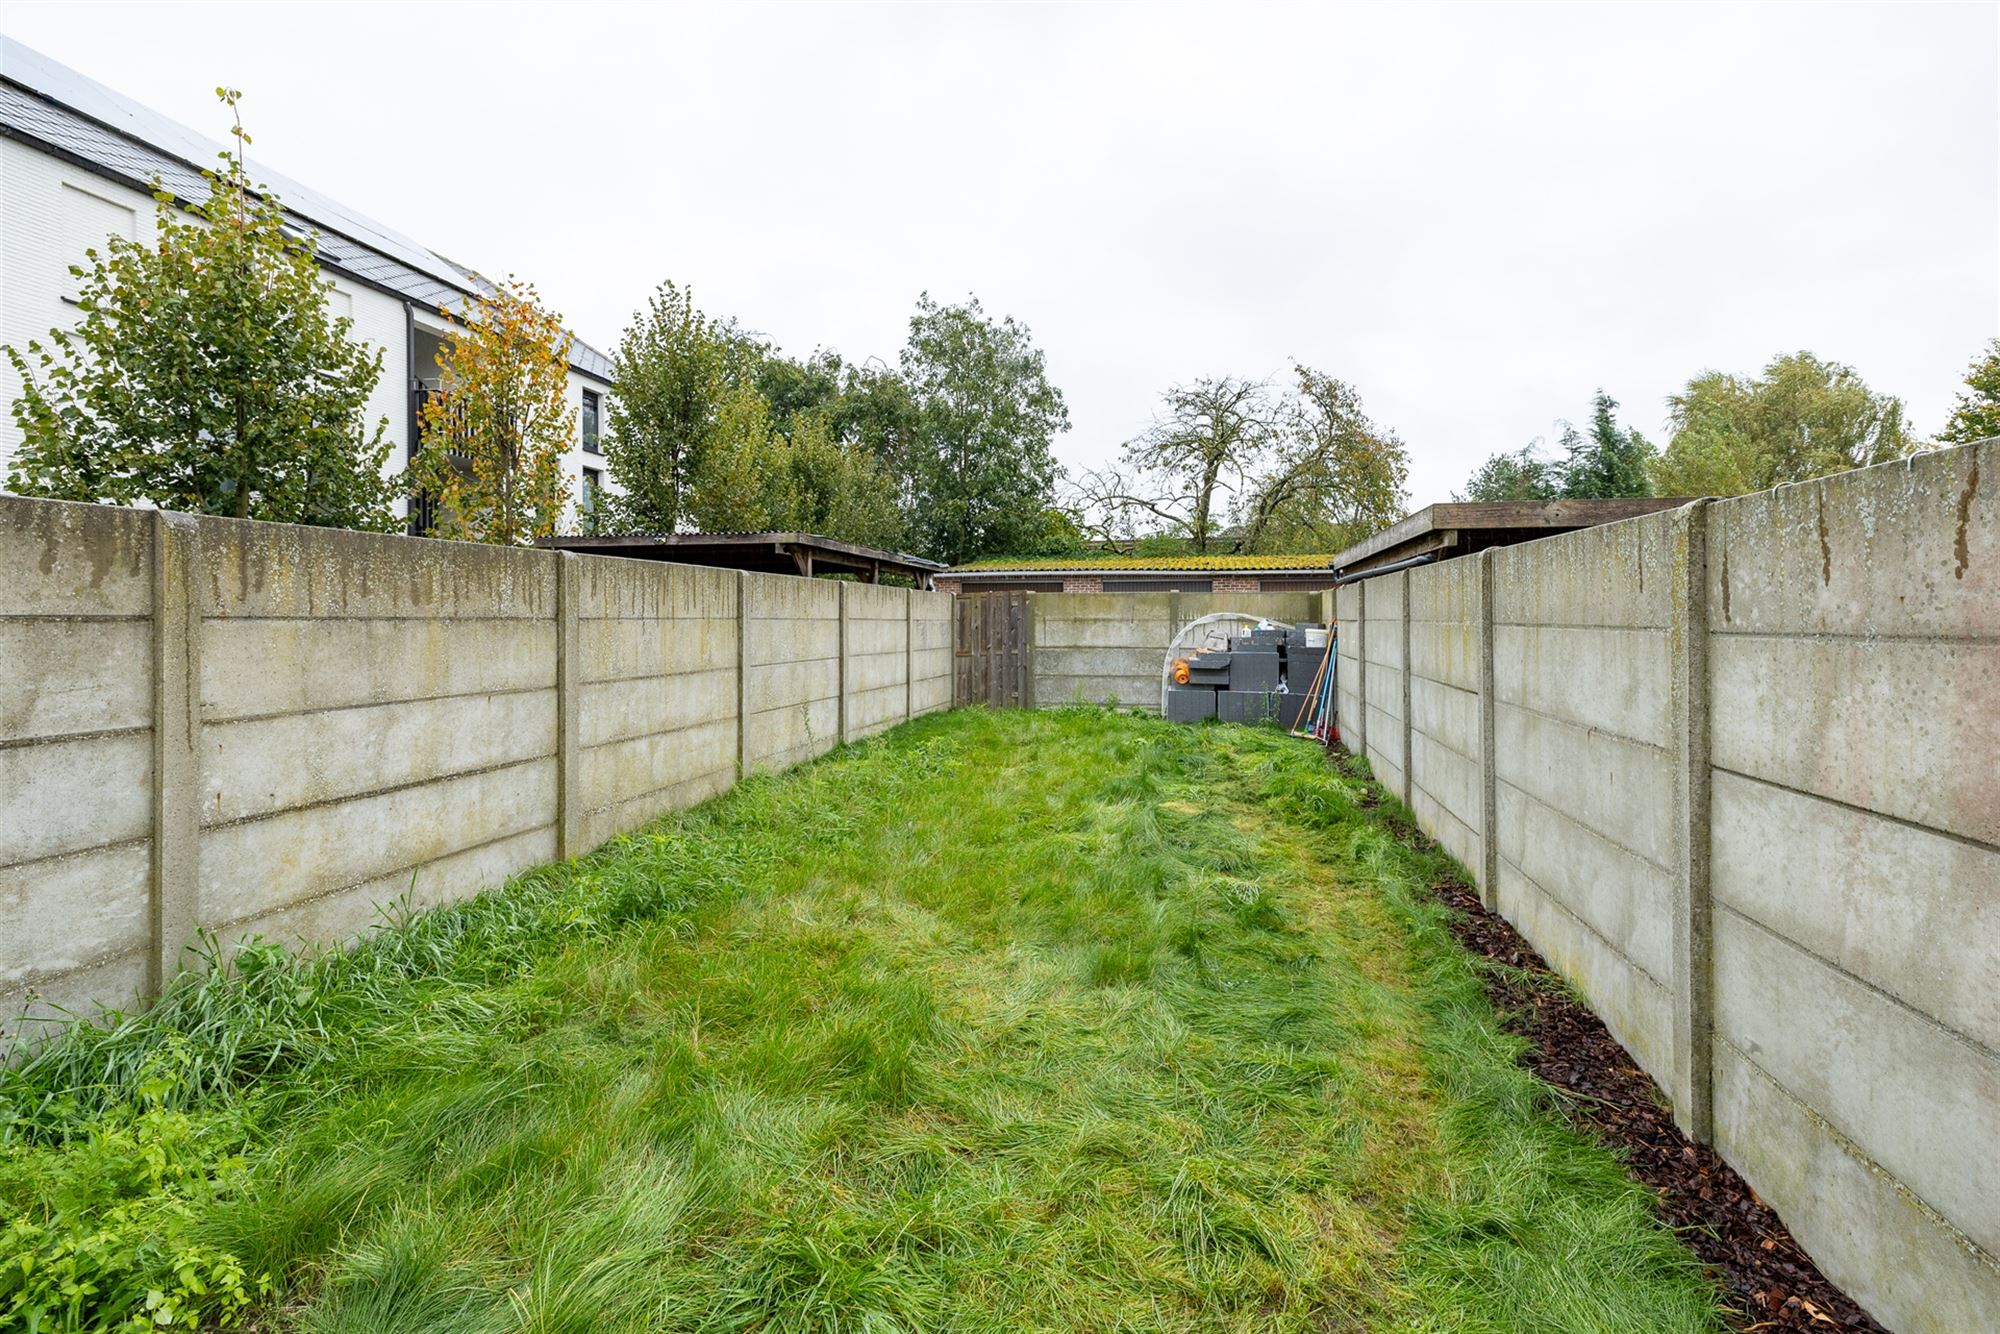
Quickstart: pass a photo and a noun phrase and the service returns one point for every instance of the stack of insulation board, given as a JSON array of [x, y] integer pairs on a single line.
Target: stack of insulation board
[[1263, 676]]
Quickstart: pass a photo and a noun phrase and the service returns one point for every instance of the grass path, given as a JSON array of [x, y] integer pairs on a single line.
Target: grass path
[[1063, 1021]]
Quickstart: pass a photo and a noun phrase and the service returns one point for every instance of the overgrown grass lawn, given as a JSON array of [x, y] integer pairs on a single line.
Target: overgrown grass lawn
[[1003, 1021]]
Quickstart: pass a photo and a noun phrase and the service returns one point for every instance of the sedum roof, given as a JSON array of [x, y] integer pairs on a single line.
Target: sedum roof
[[1144, 563]]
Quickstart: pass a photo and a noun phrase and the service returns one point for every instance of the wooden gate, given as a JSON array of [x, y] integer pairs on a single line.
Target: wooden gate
[[990, 650]]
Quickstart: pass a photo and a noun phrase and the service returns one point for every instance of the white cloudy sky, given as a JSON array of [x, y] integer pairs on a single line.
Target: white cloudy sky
[[1476, 214]]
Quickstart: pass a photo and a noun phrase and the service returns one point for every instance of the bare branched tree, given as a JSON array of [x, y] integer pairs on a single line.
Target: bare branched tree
[[1228, 467]]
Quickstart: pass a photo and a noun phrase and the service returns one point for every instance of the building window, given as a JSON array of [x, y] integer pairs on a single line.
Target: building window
[[593, 482], [590, 424]]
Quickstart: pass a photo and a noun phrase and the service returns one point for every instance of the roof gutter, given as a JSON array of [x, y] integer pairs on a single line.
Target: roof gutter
[[1410, 564]]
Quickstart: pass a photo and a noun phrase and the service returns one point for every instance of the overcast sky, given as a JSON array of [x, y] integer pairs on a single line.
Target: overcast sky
[[1476, 214]]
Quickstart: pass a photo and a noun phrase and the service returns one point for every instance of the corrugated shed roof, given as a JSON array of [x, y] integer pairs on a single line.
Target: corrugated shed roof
[[49, 104], [1164, 564]]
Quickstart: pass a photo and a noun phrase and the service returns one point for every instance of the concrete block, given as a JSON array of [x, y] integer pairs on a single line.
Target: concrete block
[[1446, 651], [1637, 1009], [1613, 574], [318, 850], [1874, 1238], [1290, 705], [258, 766], [72, 676], [1613, 679], [72, 912], [1301, 666], [1253, 670], [1622, 897], [1909, 549], [259, 667], [1446, 592], [1921, 1102], [612, 588], [1621, 789], [641, 706], [68, 795], [1903, 908], [74, 560], [110, 984], [1447, 714], [276, 569], [1187, 704], [616, 773], [1905, 727], [1246, 706]]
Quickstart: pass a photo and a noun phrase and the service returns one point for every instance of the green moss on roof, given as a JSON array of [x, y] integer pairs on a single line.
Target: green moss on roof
[[1304, 562]]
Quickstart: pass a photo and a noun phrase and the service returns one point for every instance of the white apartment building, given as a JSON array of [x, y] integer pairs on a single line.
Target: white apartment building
[[77, 163]]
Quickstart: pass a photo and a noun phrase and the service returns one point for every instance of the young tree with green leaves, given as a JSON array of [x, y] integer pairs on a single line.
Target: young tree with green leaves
[[207, 373], [1337, 478], [982, 472], [1977, 416], [670, 375], [494, 439], [1802, 418]]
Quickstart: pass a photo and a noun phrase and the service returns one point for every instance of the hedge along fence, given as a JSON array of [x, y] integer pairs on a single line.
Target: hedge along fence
[[264, 729], [1732, 769]]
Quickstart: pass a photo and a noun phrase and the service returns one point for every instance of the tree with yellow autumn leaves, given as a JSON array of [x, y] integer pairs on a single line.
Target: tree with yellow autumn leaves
[[490, 467]]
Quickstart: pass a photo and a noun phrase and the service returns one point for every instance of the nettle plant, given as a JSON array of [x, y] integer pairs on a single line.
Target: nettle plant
[[207, 372]]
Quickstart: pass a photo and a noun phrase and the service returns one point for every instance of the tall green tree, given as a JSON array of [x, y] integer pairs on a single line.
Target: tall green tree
[[207, 373], [1802, 418], [1977, 416], [670, 375], [1610, 461], [982, 474]]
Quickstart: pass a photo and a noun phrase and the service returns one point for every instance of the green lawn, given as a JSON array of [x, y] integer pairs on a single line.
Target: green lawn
[[1003, 1021]]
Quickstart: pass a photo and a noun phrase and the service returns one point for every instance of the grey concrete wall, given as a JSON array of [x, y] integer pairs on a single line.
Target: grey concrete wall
[[1446, 785], [1745, 796], [1096, 647], [268, 730], [791, 670], [1347, 683], [76, 753], [1383, 687], [1854, 657], [1583, 767]]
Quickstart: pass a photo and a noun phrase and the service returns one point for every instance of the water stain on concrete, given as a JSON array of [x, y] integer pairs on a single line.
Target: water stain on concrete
[[1961, 547]]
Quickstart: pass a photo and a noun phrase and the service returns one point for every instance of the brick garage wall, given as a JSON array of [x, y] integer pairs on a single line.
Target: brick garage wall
[[1236, 583], [1742, 760], [257, 728]]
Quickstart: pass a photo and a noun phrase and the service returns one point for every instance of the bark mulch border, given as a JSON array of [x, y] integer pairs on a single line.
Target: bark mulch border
[[1772, 1282]]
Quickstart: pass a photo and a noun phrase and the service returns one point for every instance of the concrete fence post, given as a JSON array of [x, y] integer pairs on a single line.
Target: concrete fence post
[[1030, 631], [742, 669], [1489, 787], [843, 662], [909, 654], [176, 779], [1409, 760], [1693, 990], [569, 699]]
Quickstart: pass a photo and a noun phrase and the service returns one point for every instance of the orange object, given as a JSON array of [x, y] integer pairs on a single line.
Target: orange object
[[1180, 671]]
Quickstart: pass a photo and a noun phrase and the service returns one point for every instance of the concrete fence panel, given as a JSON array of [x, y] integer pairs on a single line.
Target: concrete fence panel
[[1739, 767], [266, 730], [76, 753]]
